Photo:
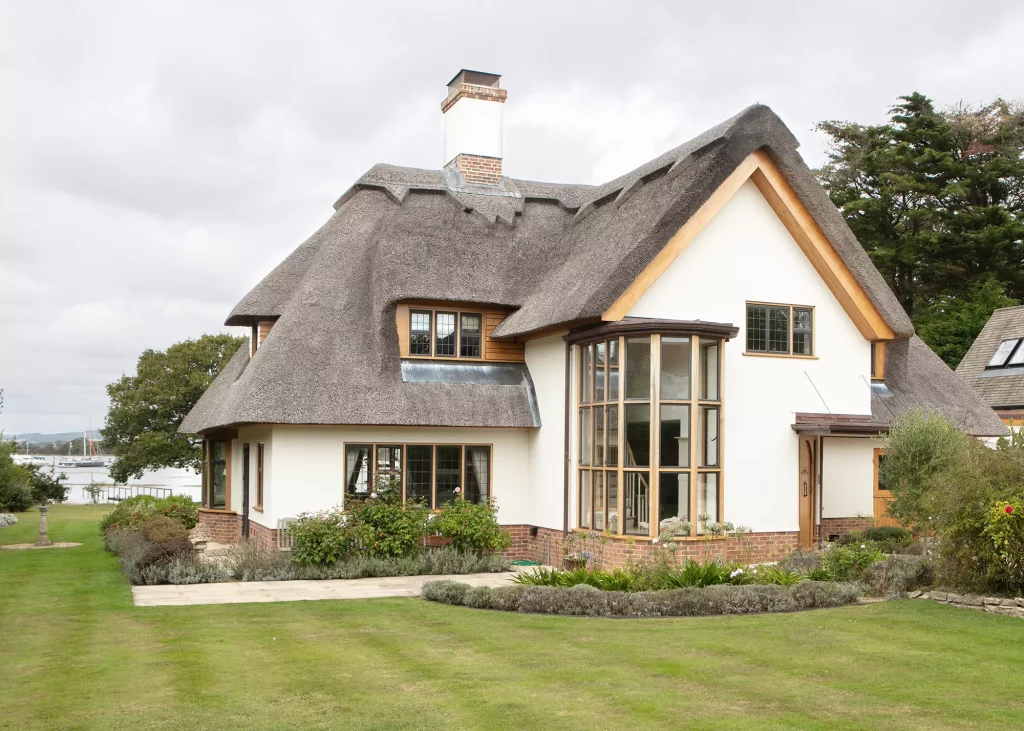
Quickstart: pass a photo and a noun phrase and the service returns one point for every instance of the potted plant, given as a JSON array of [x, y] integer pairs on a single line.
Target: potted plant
[[576, 560]]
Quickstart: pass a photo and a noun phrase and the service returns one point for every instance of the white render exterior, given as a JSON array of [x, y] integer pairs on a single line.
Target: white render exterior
[[473, 127], [745, 254]]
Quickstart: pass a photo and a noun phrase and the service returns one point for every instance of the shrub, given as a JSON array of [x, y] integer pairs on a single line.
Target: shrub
[[472, 527], [387, 528], [802, 562], [15, 497], [778, 576], [897, 575], [889, 534], [161, 529], [1004, 526], [847, 563], [7, 519], [248, 561], [320, 538], [131, 512], [585, 600]]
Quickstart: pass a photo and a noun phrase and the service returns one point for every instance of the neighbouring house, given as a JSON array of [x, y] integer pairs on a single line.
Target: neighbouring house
[[701, 336], [994, 366]]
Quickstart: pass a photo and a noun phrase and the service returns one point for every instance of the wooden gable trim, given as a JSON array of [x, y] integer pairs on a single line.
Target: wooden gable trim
[[760, 168]]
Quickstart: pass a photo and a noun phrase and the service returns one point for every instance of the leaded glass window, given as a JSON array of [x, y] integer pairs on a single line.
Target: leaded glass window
[[444, 337], [469, 336], [419, 332]]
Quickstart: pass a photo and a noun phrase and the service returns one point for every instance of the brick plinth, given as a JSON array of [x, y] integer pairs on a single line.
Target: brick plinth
[[478, 169], [842, 526], [221, 527], [548, 547], [262, 536]]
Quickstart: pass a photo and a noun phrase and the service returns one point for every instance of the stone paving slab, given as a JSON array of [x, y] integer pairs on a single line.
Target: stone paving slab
[[242, 592]]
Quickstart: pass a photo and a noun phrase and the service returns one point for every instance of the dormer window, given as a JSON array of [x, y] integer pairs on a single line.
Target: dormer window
[[445, 334], [419, 332], [1009, 353]]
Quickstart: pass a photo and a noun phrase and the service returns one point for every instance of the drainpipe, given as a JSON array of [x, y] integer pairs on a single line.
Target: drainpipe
[[568, 445]]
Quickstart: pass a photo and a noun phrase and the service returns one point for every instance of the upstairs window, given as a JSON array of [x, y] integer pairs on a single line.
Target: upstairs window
[[469, 336], [1008, 353], [444, 337], [780, 330], [419, 332], [445, 334]]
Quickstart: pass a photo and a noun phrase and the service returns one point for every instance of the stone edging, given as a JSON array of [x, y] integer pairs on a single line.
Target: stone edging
[[993, 604]]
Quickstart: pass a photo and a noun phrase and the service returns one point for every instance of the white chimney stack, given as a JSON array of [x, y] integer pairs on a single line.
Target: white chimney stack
[[473, 126]]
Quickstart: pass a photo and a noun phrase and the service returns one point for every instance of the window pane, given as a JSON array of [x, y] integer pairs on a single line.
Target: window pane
[[388, 468], [218, 451], [218, 474], [709, 436], [757, 328], [586, 446], [469, 336], [417, 474], [598, 436], [707, 497], [478, 474], [709, 370], [1002, 353], [586, 371], [586, 505], [638, 435], [778, 329], [444, 338], [673, 498], [675, 435], [1018, 357], [259, 473], [675, 368], [638, 368], [874, 360], [638, 506], [357, 470], [449, 463], [611, 480], [881, 473], [597, 477], [419, 333], [802, 340], [599, 371], [612, 427], [613, 370]]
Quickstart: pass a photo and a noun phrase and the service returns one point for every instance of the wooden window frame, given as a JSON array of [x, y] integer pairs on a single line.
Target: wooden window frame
[[260, 461], [654, 402], [371, 474], [430, 332], [789, 331], [878, 360], [207, 484], [458, 312]]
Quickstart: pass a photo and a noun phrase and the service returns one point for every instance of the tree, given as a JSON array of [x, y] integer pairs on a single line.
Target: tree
[[146, 409], [937, 201], [15, 490]]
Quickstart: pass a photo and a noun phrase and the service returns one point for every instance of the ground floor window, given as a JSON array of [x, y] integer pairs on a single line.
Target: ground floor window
[[432, 474], [649, 453], [215, 473]]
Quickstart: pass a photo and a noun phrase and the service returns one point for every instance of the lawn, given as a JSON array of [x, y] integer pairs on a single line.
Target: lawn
[[76, 654]]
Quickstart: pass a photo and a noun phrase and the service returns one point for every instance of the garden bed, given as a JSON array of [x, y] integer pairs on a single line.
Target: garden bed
[[588, 601]]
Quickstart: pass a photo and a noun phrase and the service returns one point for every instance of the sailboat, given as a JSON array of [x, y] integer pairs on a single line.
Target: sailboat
[[90, 455]]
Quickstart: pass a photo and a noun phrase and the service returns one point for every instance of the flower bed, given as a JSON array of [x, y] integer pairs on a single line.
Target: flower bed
[[588, 601]]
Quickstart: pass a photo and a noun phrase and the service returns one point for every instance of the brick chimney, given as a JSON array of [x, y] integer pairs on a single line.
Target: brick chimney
[[473, 126]]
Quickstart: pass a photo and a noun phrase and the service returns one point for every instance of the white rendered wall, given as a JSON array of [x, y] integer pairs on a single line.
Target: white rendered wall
[[307, 472], [848, 477], [253, 436], [473, 127], [545, 357], [746, 254]]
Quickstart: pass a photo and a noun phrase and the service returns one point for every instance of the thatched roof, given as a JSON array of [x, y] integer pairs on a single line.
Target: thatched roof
[[555, 253]]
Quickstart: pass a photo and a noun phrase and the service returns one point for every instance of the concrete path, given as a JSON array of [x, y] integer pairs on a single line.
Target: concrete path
[[242, 592]]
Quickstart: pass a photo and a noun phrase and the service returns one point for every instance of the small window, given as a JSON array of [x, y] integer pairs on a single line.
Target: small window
[[419, 332], [259, 475], [469, 335], [357, 470], [216, 488], [780, 330], [1002, 354], [444, 338]]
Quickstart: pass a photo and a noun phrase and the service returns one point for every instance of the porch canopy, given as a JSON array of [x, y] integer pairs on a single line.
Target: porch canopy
[[812, 423]]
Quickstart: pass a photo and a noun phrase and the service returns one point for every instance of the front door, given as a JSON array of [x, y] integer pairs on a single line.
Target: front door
[[808, 472], [245, 490], [882, 497]]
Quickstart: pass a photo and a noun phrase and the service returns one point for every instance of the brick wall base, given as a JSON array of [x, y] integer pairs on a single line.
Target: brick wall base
[[262, 536], [548, 547], [221, 527], [842, 526]]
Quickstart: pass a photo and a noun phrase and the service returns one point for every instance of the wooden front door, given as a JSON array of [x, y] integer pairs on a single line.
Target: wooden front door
[[808, 474], [882, 496]]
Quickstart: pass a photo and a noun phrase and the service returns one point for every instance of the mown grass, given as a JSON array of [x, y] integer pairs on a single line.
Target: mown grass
[[76, 654]]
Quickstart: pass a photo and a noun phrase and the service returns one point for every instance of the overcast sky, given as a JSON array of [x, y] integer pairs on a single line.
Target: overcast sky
[[157, 159]]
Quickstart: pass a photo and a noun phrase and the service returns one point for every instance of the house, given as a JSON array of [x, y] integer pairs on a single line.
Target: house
[[701, 336], [994, 365]]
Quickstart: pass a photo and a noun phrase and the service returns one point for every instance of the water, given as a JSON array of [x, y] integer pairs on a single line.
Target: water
[[179, 481]]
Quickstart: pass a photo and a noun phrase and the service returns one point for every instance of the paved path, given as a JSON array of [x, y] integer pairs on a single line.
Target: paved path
[[241, 592]]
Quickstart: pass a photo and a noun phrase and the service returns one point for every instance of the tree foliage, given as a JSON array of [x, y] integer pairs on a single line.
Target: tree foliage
[[146, 409], [937, 200]]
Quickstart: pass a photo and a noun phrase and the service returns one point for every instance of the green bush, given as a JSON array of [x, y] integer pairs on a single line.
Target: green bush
[[778, 576], [131, 512], [585, 600], [472, 527], [139, 557], [847, 563], [387, 528], [15, 497], [802, 562], [161, 529], [889, 534], [898, 574], [320, 538]]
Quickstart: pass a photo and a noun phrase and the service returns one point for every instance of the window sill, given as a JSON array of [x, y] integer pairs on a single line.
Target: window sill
[[648, 539], [780, 355], [222, 511], [258, 508]]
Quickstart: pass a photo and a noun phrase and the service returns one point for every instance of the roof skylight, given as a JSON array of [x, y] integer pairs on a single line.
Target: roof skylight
[[1003, 352]]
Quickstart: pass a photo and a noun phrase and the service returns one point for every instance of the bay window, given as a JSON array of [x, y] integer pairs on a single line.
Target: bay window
[[649, 454], [216, 457]]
